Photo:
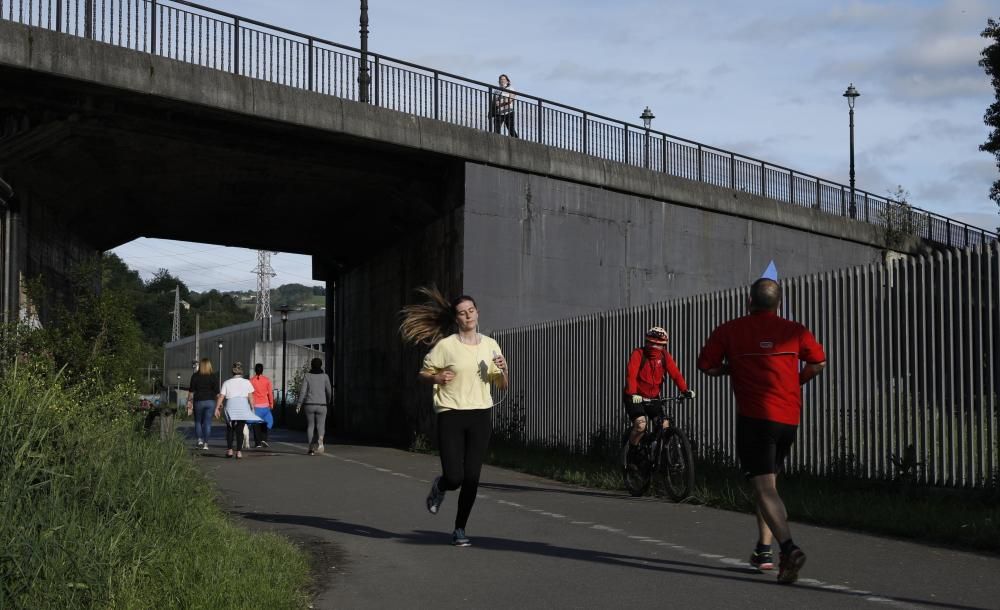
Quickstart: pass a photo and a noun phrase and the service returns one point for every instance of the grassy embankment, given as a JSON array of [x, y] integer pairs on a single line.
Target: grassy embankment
[[97, 516], [962, 519]]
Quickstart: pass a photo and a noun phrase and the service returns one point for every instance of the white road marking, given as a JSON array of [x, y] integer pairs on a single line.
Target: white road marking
[[806, 582]]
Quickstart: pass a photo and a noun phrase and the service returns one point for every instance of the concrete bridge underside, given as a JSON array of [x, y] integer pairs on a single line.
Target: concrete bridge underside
[[102, 145]]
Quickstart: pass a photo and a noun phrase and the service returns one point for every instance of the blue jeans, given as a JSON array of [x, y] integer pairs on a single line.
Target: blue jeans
[[203, 410]]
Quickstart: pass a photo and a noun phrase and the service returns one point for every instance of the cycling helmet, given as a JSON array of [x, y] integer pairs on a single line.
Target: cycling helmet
[[657, 336]]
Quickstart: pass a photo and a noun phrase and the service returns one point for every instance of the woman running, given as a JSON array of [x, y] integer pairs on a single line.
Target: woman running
[[461, 366]]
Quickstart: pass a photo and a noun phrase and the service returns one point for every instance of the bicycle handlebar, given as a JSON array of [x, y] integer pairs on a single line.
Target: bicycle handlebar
[[666, 399]]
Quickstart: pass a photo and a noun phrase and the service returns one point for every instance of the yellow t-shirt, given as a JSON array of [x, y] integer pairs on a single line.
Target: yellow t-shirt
[[474, 370]]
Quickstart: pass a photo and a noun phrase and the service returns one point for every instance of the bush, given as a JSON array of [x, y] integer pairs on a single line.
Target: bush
[[97, 516]]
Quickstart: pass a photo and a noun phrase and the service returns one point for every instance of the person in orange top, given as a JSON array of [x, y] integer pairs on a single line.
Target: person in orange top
[[263, 402]]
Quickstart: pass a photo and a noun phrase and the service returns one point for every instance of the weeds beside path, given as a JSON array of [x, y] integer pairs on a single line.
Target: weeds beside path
[[97, 516]]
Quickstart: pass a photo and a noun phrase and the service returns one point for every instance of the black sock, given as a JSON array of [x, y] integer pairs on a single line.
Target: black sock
[[787, 546], [762, 548]]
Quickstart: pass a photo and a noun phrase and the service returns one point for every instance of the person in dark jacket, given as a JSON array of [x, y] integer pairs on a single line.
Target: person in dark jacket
[[203, 390], [315, 394]]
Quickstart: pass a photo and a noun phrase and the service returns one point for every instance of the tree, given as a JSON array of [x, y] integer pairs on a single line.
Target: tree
[[991, 63]]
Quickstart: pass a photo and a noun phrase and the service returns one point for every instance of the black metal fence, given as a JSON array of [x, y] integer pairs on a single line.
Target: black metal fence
[[198, 34], [911, 390]]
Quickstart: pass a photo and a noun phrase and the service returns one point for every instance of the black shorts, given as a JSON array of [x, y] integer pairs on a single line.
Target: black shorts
[[762, 445], [638, 410]]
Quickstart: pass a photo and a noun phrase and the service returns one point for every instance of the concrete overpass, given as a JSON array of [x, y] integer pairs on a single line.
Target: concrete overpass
[[103, 143]]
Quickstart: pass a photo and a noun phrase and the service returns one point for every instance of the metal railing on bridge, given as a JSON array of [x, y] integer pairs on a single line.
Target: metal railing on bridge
[[910, 390], [207, 37]]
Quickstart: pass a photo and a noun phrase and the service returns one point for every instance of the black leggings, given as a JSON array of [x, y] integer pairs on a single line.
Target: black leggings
[[235, 427], [463, 437], [507, 120]]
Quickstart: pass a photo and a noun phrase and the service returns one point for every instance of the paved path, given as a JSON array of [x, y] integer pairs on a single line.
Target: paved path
[[539, 544]]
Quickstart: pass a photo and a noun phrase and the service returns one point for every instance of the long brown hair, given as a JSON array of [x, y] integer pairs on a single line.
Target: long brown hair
[[432, 320]]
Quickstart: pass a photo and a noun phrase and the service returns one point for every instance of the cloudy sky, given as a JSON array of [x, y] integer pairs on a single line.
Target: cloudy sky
[[763, 79]]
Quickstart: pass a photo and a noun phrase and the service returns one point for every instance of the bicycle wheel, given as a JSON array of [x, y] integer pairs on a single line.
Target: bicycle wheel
[[635, 473], [677, 466]]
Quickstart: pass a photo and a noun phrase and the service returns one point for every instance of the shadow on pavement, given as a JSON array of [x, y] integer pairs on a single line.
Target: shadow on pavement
[[423, 537]]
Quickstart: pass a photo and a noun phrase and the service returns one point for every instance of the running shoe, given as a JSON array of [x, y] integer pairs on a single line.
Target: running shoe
[[229, 453], [458, 538], [320, 448], [204, 447], [264, 443], [200, 443], [257, 446], [239, 455], [762, 560], [791, 563], [435, 497]]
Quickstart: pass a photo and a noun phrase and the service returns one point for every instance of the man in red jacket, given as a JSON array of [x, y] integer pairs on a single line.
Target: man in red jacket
[[647, 367], [761, 353]]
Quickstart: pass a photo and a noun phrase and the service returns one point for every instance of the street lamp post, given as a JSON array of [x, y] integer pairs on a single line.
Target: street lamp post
[[220, 363], [284, 309], [647, 120], [364, 79], [178, 390], [851, 94]]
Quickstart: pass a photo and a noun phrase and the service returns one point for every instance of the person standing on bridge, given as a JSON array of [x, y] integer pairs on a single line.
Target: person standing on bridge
[[503, 107], [761, 352], [461, 366]]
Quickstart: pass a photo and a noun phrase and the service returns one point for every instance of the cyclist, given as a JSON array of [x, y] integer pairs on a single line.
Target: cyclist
[[644, 374]]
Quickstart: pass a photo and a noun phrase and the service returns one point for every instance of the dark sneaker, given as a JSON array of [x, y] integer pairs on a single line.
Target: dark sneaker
[[791, 563], [458, 538], [435, 497], [762, 560]]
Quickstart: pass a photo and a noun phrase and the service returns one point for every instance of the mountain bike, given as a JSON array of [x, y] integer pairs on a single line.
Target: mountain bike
[[663, 454]]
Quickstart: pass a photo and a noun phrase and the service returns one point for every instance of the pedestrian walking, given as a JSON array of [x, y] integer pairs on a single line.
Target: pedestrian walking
[[461, 365], [236, 394], [263, 404], [502, 109], [203, 391], [315, 394], [760, 353]]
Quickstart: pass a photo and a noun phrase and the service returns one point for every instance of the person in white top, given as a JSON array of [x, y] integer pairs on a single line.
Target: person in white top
[[503, 107], [237, 395]]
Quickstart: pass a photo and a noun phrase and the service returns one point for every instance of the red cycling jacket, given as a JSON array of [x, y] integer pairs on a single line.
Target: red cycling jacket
[[646, 369]]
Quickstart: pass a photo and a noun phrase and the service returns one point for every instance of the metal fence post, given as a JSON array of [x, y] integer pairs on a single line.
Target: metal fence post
[[701, 171], [59, 15], [763, 179], [236, 45], [152, 27], [947, 228], [817, 195], [791, 187], [538, 121], [375, 79], [311, 64], [626, 143], [584, 123], [732, 171], [437, 95], [88, 19]]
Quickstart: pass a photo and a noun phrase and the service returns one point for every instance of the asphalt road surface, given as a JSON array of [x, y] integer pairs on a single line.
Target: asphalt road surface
[[540, 544]]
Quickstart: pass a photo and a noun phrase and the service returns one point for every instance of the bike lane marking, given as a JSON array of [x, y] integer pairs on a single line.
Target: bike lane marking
[[807, 582]]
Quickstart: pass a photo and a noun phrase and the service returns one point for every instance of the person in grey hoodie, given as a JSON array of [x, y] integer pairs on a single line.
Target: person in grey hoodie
[[315, 394]]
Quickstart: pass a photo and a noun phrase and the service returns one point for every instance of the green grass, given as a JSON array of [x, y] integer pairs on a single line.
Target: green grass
[[961, 519], [97, 516]]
